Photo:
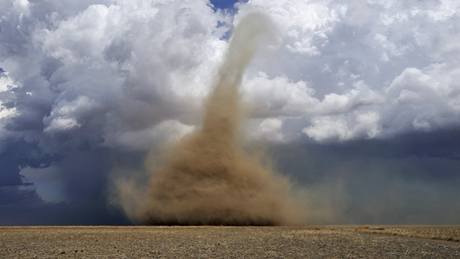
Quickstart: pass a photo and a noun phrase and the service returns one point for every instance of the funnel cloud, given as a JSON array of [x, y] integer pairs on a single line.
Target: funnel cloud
[[208, 177]]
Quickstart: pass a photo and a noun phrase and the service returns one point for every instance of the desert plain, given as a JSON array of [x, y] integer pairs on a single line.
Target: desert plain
[[230, 242]]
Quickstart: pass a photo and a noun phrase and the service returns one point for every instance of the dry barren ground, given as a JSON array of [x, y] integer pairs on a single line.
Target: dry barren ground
[[231, 242]]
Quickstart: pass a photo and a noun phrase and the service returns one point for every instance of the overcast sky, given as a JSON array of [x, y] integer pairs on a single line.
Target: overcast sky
[[358, 101]]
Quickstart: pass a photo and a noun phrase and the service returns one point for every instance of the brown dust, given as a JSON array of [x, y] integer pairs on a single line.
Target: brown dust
[[207, 177]]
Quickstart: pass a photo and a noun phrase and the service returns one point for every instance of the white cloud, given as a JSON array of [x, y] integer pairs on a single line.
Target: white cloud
[[112, 67], [278, 96], [165, 132], [6, 111], [423, 100], [331, 128], [356, 98], [120, 70], [66, 114], [379, 68], [270, 130], [301, 24]]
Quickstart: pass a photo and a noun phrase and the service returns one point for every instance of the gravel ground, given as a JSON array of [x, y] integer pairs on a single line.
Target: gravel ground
[[448, 233], [231, 242]]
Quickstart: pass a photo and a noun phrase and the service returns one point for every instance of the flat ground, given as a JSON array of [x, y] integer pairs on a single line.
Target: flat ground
[[231, 242]]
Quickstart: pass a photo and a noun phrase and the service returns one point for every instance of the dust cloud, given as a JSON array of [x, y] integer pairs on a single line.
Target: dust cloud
[[208, 177]]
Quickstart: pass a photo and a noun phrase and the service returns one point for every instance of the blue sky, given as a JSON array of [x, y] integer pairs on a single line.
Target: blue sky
[[224, 4]]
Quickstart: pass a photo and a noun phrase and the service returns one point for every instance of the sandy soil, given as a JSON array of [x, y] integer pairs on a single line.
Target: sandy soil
[[231, 242]]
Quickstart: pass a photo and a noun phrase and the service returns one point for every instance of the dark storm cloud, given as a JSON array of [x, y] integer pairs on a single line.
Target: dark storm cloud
[[83, 174], [74, 118], [89, 87], [20, 205], [410, 179], [19, 154]]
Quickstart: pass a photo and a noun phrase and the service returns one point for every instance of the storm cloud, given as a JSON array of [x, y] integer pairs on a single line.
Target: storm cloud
[[352, 98]]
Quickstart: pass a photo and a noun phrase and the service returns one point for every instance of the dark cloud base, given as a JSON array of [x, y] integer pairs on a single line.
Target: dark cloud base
[[408, 179], [22, 206]]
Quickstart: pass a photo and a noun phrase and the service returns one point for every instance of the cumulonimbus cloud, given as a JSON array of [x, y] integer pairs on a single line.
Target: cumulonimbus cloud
[[117, 76]]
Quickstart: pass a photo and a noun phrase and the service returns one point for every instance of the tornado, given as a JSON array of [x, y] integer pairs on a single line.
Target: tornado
[[209, 177]]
